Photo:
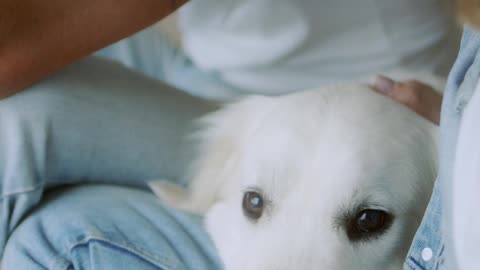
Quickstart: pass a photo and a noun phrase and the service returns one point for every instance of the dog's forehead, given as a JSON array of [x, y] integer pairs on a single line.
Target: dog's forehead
[[333, 145], [285, 164]]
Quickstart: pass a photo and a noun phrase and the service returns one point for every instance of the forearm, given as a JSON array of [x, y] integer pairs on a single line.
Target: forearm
[[38, 37]]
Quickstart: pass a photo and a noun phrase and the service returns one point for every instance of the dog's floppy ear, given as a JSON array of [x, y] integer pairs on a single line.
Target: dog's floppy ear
[[174, 195], [209, 176], [210, 173]]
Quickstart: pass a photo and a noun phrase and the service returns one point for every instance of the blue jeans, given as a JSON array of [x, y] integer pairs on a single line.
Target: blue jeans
[[98, 121], [108, 227], [432, 247]]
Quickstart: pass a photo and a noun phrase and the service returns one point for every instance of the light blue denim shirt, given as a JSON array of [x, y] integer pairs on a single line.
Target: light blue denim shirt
[[431, 248]]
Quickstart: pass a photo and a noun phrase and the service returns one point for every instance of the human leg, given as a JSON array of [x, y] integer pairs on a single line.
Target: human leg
[[151, 53], [95, 121], [94, 227]]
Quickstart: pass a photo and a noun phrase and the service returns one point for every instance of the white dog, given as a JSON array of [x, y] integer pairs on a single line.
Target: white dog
[[335, 178]]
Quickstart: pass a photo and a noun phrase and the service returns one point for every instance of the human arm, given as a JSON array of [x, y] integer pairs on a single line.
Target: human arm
[[39, 37]]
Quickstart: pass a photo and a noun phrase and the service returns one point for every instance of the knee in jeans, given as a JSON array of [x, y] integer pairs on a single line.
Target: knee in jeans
[[48, 236], [33, 246]]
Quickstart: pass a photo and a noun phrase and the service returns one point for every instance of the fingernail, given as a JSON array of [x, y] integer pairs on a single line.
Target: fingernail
[[383, 84]]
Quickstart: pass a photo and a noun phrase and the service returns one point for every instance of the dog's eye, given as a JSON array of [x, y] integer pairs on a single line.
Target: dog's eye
[[253, 205], [367, 223]]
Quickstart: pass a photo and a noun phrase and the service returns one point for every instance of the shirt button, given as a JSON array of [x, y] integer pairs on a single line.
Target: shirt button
[[427, 254]]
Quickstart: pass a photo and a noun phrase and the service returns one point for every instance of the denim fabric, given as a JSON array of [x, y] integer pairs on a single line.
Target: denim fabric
[[434, 236], [106, 227], [98, 121], [156, 57]]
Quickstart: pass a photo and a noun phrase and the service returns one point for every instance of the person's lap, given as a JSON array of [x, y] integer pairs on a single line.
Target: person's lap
[[98, 122], [108, 227]]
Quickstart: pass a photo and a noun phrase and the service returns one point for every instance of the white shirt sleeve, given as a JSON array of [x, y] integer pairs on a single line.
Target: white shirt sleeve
[[466, 188]]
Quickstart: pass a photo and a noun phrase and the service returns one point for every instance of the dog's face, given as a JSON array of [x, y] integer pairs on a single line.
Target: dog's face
[[330, 179]]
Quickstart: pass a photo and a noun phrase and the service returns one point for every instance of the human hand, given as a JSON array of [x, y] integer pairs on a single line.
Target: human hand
[[417, 96]]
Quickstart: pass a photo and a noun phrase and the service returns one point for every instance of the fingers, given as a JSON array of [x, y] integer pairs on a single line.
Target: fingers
[[417, 96], [383, 84], [401, 92]]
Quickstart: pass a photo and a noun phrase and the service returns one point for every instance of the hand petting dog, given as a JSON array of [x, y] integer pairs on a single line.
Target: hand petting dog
[[419, 97]]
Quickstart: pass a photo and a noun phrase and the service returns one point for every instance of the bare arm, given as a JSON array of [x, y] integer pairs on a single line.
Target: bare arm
[[38, 37]]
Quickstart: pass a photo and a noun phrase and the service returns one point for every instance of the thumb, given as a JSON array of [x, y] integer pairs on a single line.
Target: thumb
[[383, 85], [391, 88]]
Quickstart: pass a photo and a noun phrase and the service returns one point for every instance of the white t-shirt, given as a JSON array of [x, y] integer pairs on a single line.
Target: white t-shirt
[[466, 188], [276, 46]]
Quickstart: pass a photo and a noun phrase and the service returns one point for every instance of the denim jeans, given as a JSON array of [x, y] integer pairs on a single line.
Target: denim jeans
[[432, 247], [98, 121], [108, 227]]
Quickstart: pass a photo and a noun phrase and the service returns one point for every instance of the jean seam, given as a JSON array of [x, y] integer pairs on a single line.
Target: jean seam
[[19, 192], [164, 262], [413, 264], [439, 258]]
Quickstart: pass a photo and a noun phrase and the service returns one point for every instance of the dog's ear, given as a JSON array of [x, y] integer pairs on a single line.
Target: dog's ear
[[219, 143], [210, 173], [174, 195], [210, 176]]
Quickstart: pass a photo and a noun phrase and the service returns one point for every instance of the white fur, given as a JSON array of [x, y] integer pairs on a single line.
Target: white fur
[[316, 155]]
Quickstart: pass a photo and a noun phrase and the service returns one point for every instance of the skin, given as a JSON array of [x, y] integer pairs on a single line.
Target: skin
[[64, 31], [469, 12], [417, 96]]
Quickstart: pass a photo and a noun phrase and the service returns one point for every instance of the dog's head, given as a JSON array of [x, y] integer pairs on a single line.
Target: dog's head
[[332, 179]]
